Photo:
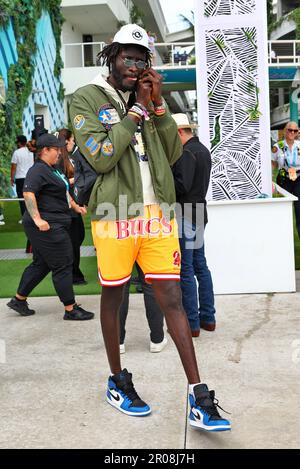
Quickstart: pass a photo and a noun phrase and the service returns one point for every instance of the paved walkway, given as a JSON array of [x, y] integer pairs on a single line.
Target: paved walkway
[[52, 382], [11, 254]]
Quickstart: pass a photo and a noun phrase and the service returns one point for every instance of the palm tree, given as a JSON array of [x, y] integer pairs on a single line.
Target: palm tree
[[190, 22]]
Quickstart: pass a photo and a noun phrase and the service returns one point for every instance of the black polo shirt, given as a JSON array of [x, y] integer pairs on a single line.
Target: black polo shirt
[[50, 192], [191, 176]]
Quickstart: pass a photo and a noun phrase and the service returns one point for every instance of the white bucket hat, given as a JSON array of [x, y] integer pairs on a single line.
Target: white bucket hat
[[182, 121], [132, 34]]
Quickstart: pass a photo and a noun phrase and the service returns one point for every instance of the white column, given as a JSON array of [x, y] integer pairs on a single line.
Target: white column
[[233, 95]]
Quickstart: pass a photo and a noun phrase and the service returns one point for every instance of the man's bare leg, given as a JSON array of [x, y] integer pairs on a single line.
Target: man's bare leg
[[111, 300], [168, 296]]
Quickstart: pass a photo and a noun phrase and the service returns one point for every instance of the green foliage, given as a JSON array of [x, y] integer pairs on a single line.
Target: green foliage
[[24, 15], [250, 34], [6, 10], [294, 15], [271, 17], [254, 113], [137, 16], [217, 133]]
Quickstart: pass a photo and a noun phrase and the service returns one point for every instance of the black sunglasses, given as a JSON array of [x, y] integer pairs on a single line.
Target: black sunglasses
[[293, 130], [140, 64]]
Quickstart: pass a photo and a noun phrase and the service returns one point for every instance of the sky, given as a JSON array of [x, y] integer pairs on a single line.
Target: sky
[[173, 8]]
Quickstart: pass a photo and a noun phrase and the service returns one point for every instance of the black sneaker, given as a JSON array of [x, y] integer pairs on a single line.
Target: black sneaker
[[122, 395], [78, 314], [79, 281], [204, 413], [21, 306]]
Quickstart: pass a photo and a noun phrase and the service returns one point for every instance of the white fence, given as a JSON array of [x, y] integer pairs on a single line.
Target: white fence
[[177, 54]]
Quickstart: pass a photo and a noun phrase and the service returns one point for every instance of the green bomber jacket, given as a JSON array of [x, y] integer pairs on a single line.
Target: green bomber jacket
[[104, 135]]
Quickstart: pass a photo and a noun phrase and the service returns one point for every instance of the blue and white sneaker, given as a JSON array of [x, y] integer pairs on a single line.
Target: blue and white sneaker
[[204, 414], [122, 395]]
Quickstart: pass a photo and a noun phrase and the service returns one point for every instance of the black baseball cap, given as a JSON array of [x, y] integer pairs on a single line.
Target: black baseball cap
[[49, 140], [21, 139]]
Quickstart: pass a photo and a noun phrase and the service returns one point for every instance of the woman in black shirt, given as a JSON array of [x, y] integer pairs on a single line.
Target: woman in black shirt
[[46, 222]]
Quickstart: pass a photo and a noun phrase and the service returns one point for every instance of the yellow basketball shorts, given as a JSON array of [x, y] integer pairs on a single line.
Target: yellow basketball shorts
[[150, 240]]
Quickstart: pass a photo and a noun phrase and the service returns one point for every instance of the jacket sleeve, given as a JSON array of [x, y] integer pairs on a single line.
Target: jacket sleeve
[[167, 131], [102, 148], [183, 172]]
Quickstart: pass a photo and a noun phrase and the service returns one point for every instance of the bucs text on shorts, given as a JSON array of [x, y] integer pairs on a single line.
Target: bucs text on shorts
[[151, 241]]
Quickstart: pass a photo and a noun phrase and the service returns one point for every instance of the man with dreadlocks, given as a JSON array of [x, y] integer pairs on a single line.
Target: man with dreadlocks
[[125, 131]]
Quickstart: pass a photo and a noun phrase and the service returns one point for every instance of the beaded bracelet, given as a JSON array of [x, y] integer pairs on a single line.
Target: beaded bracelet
[[142, 109], [135, 114]]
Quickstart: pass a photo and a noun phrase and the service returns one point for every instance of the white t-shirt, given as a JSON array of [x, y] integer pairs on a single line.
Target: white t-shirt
[[285, 156], [23, 158], [148, 191]]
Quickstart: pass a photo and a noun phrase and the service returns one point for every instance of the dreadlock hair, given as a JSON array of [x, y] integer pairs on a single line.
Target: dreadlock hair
[[109, 54]]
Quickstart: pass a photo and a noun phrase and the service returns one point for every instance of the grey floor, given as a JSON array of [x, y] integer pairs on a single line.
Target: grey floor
[[53, 378]]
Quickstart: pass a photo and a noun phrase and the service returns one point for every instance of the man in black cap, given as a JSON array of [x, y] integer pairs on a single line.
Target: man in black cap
[[46, 223]]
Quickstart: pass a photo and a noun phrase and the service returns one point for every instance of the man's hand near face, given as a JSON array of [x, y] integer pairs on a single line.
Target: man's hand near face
[[150, 82]]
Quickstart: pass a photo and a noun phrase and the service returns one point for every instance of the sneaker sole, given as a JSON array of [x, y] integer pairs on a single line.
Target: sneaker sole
[[132, 414], [160, 348], [21, 314], [217, 428]]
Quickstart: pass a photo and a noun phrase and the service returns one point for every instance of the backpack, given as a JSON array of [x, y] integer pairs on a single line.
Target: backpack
[[84, 178]]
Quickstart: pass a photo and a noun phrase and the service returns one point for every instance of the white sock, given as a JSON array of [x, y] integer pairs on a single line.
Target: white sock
[[191, 388]]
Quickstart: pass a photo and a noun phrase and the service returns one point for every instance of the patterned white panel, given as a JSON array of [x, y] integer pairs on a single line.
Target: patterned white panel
[[228, 7], [232, 90], [233, 120]]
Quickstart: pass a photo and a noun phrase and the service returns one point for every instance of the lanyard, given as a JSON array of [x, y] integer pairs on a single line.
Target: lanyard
[[291, 156], [64, 179]]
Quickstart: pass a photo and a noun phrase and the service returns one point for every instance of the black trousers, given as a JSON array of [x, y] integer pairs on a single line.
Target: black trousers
[[77, 233], [52, 252], [293, 187], [154, 315], [19, 188]]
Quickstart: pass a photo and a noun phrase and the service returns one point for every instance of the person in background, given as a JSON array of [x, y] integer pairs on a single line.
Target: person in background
[[151, 44], [124, 129], [2, 221], [31, 144], [286, 158], [21, 161], [46, 222], [191, 176], [154, 315], [77, 232]]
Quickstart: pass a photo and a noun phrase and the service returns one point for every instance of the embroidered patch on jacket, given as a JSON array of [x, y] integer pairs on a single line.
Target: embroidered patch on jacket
[[274, 150], [92, 145], [79, 121], [107, 148], [108, 116]]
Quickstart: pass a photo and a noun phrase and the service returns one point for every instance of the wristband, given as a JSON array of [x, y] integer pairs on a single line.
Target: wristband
[[159, 110], [138, 107], [135, 114]]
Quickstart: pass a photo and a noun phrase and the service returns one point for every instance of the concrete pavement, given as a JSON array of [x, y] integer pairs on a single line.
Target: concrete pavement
[[53, 378]]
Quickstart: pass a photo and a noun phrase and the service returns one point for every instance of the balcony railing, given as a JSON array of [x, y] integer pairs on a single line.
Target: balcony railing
[[178, 54], [81, 54], [284, 53]]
